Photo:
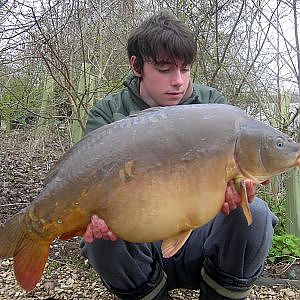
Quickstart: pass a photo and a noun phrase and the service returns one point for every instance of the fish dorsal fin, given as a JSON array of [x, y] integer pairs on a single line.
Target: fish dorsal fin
[[78, 146], [240, 186], [174, 243], [146, 111], [54, 169]]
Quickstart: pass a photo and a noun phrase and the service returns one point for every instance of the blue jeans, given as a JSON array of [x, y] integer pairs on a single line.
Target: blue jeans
[[231, 253]]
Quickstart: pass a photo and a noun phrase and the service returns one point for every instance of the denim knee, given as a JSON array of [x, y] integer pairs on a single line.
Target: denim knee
[[234, 253], [128, 270]]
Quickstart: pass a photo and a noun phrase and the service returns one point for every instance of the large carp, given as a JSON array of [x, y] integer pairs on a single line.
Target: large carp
[[154, 176]]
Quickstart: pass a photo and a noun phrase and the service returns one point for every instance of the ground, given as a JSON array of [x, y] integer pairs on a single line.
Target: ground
[[24, 163]]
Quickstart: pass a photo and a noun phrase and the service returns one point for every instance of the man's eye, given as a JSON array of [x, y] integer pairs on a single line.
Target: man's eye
[[185, 70], [163, 70]]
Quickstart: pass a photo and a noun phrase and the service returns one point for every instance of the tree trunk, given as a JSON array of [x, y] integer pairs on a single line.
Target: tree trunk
[[293, 191], [86, 88], [44, 124], [293, 203]]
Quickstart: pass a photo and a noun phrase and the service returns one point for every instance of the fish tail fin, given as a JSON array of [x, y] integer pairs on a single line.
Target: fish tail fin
[[30, 256], [10, 236]]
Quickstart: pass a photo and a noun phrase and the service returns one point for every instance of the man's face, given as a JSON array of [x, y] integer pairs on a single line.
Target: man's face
[[165, 83]]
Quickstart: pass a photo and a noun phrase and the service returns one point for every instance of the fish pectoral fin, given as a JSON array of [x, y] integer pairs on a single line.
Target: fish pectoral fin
[[241, 189], [173, 244], [68, 235]]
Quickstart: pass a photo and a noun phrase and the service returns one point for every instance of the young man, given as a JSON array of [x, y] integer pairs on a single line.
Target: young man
[[224, 257]]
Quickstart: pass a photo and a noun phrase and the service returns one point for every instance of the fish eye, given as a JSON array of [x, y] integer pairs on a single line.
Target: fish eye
[[279, 143]]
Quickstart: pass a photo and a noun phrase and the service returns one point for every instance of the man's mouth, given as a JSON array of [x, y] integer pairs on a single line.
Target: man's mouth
[[175, 93]]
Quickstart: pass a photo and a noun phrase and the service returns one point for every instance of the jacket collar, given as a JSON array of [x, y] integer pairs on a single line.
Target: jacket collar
[[132, 83]]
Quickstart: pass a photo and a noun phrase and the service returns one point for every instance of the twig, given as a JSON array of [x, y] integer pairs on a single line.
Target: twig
[[289, 265], [13, 204], [57, 261]]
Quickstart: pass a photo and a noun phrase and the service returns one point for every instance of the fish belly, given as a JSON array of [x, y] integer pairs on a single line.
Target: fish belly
[[163, 202]]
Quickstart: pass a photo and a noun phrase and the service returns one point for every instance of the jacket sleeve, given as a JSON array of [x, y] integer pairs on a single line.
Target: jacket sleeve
[[99, 115], [207, 94]]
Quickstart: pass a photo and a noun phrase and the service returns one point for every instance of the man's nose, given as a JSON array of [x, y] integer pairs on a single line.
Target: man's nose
[[177, 78]]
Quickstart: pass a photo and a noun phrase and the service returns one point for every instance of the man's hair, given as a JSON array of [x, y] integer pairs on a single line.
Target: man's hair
[[162, 36]]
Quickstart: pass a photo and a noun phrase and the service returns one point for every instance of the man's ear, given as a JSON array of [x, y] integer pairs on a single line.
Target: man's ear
[[133, 64]]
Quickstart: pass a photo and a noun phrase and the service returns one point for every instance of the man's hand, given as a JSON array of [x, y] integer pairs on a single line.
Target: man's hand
[[98, 229], [233, 199]]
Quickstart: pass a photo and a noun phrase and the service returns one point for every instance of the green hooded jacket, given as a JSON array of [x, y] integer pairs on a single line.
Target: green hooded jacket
[[128, 101]]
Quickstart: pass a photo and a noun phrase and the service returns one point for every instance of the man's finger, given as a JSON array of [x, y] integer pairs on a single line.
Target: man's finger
[[97, 233], [101, 230], [96, 227], [251, 189], [103, 227], [111, 236], [232, 196], [225, 209], [88, 236]]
